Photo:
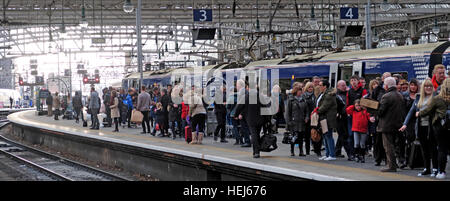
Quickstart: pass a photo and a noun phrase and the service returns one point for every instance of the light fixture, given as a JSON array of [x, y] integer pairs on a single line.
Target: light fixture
[[83, 21], [334, 45], [385, 6], [436, 27], [375, 37], [128, 6], [313, 20], [62, 32], [299, 50], [269, 53]]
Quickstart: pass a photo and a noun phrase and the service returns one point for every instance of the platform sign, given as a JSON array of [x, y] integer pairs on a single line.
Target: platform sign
[[98, 40], [44, 93], [203, 15], [326, 37], [348, 13]]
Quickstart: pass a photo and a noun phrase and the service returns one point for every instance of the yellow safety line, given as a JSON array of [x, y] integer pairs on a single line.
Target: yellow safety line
[[299, 161]]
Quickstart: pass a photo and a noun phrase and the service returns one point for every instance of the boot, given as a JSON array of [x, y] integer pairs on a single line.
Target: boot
[[363, 153], [292, 150], [194, 138], [356, 155], [200, 138]]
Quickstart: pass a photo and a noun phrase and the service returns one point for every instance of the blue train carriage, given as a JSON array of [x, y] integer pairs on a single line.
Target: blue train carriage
[[415, 61]]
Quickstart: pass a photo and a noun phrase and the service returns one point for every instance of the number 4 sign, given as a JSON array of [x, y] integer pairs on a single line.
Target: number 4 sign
[[349, 13], [203, 15]]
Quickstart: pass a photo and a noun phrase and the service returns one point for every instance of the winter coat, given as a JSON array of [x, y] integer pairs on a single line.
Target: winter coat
[[56, 103], [143, 102], [76, 102], [49, 100], [94, 102], [436, 109], [360, 119], [297, 114], [115, 108], [250, 112], [328, 108], [196, 107], [391, 112], [129, 102], [184, 110], [354, 94]]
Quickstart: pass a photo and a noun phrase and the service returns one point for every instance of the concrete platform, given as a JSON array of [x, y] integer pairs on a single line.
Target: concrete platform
[[277, 162]]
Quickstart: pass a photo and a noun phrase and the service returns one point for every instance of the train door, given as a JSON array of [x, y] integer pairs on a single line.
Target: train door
[[333, 77], [340, 71], [357, 68]]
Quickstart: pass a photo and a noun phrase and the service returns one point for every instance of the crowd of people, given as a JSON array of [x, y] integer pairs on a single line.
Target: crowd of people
[[405, 112]]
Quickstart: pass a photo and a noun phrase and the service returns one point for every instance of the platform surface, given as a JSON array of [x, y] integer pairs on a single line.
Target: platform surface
[[277, 161]]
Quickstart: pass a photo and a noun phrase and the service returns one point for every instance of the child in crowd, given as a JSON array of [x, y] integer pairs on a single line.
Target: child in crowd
[[360, 123]]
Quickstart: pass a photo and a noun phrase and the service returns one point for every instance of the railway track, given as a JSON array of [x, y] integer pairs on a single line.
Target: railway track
[[53, 166]]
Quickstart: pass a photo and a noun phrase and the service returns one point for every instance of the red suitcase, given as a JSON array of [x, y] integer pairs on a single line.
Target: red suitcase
[[188, 134]]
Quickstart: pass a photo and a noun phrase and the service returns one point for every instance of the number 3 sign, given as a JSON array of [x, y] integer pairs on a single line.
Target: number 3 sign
[[202, 15], [349, 13]]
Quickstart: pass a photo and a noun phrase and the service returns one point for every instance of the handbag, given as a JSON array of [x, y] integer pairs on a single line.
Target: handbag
[[287, 139], [315, 135], [136, 116]]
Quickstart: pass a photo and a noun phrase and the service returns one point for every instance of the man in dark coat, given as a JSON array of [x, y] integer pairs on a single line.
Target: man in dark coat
[[165, 101], [78, 106], [49, 102], [221, 112], [253, 117], [391, 114], [106, 101], [342, 128]]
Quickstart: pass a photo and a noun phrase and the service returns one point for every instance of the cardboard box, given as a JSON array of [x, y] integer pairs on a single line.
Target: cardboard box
[[368, 103]]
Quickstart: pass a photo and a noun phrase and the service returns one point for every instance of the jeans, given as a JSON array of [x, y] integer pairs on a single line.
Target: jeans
[[235, 131], [329, 143], [429, 147], [360, 139], [443, 140], [145, 121], [94, 117]]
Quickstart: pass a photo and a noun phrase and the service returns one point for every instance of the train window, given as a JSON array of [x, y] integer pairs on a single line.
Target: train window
[[403, 74], [369, 77]]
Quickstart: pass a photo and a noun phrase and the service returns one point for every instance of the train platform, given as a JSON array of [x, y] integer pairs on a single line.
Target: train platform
[[234, 157]]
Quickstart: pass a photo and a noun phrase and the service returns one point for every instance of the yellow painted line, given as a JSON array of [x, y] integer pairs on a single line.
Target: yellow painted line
[[279, 158]]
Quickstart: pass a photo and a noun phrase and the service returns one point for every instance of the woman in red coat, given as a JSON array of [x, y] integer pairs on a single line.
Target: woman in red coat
[[360, 123]]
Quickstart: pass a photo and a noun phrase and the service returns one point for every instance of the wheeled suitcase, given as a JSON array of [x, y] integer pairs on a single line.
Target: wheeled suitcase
[[415, 156], [188, 134]]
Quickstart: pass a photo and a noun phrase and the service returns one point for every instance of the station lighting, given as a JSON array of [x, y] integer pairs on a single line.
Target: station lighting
[[375, 37], [385, 6], [334, 45], [128, 6], [63, 33], [83, 21], [299, 50], [269, 53]]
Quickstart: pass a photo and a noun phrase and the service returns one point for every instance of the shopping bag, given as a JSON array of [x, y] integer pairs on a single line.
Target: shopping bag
[[314, 119], [136, 116], [324, 126]]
